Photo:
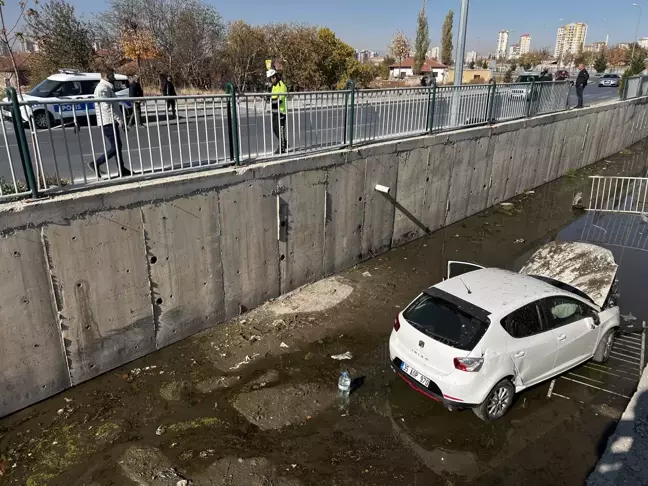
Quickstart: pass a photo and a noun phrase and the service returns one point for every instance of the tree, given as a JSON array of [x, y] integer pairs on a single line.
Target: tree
[[637, 66], [383, 68], [601, 62], [422, 41], [400, 48], [471, 64], [63, 40], [9, 36], [484, 64], [334, 58], [362, 74], [138, 44], [446, 39], [244, 54]]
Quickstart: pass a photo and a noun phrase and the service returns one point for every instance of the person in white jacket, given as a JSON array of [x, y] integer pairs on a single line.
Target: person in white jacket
[[110, 120]]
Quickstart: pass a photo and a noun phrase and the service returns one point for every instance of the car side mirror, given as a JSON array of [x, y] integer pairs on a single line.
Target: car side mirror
[[597, 319]]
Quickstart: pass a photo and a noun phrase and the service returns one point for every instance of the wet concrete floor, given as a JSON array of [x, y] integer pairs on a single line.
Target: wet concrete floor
[[254, 401]]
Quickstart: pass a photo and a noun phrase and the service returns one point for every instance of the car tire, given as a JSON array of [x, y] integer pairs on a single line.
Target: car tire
[[41, 119], [497, 402], [602, 353]]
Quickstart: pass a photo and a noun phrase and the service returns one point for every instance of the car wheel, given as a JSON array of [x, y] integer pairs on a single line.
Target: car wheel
[[497, 403], [43, 119], [602, 353]]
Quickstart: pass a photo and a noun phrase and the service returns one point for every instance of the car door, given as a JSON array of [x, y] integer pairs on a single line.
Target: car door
[[531, 346], [575, 329], [456, 268], [68, 94]]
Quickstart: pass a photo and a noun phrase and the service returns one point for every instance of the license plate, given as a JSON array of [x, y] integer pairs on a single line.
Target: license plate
[[416, 375]]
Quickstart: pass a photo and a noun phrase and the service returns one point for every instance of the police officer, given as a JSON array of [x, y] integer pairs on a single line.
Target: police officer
[[278, 103]]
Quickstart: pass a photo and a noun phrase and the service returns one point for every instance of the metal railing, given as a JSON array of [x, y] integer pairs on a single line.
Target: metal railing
[[634, 87], [618, 194], [61, 142]]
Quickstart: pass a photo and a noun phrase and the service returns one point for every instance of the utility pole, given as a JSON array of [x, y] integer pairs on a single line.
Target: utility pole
[[637, 31], [461, 44]]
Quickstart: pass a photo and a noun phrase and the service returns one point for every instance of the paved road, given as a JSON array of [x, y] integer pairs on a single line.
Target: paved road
[[593, 95], [199, 136]]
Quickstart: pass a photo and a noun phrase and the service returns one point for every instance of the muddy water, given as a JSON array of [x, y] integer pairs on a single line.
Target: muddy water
[[254, 401]]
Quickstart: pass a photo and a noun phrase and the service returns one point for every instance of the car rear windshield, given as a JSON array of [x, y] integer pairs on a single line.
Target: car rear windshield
[[445, 322]]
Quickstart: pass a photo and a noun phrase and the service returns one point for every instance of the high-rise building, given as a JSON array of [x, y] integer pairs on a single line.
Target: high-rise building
[[525, 43], [594, 47], [28, 45], [623, 45], [4, 49], [471, 56], [434, 53], [570, 39], [364, 55], [643, 42], [502, 43], [513, 52]]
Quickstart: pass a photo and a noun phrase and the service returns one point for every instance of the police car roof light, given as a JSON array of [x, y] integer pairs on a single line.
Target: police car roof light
[[69, 71]]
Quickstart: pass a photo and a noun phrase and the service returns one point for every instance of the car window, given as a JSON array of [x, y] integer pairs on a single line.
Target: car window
[[561, 311], [445, 322], [70, 88], [119, 85], [524, 322], [44, 88], [88, 87]]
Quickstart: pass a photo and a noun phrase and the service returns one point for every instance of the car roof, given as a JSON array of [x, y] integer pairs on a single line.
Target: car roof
[[498, 291], [82, 77]]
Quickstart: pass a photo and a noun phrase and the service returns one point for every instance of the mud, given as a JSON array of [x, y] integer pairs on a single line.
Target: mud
[[254, 401]]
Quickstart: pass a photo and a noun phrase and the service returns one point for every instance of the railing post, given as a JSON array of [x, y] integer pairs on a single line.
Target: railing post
[[349, 86], [431, 105], [490, 101], [232, 124], [23, 148], [530, 100]]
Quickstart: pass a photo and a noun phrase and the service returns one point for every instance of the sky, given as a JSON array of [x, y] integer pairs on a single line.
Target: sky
[[367, 24]]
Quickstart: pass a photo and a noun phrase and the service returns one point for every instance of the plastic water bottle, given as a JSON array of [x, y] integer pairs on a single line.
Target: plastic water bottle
[[344, 383]]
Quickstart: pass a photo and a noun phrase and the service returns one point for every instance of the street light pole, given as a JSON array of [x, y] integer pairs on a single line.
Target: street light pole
[[637, 31], [461, 44]]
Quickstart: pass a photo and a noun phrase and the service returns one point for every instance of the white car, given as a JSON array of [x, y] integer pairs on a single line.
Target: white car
[[69, 90], [481, 336]]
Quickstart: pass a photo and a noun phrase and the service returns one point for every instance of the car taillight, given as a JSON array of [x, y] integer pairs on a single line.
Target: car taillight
[[396, 324], [468, 364]]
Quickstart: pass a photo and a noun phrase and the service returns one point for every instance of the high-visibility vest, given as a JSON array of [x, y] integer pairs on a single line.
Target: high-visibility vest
[[279, 101]]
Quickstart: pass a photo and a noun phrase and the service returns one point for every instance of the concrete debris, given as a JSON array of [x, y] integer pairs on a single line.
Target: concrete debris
[[366, 274], [247, 360], [283, 345], [343, 356], [628, 317], [577, 202], [644, 217], [519, 240], [68, 400], [217, 383], [182, 482], [160, 430], [506, 204]]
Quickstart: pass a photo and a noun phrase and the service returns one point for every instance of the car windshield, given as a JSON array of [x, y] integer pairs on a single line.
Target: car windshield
[[44, 88], [445, 322], [612, 76]]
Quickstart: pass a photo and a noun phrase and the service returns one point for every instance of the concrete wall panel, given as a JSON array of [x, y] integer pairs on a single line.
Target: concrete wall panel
[[460, 177], [344, 216], [32, 362], [183, 246], [482, 168], [502, 156], [302, 207], [436, 197], [250, 249], [413, 182], [379, 209], [101, 282]]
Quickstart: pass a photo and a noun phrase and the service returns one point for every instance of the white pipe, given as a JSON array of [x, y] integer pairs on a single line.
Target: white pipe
[[383, 189]]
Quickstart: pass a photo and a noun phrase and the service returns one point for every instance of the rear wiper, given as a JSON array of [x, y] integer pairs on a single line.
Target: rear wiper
[[429, 333]]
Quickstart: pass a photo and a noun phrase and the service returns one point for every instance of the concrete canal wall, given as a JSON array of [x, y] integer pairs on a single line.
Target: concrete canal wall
[[93, 280]]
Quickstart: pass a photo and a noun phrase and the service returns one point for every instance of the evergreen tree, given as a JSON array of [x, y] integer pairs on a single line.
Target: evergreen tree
[[446, 39], [422, 41]]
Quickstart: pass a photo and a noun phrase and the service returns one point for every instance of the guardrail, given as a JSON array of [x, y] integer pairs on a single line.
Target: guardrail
[[618, 194], [634, 87], [54, 146]]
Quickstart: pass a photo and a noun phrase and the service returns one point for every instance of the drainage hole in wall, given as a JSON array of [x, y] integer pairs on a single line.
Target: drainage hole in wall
[[159, 301], [171, 296], [16, 253], [154, 260], [427, 179], [36, 345], [91, 366], [79, 285], [74, 238], [283, 224], [282, 257], [360, 199], [167, 259]]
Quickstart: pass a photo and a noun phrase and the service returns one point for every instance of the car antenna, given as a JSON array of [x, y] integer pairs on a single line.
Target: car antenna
[[464, 283]]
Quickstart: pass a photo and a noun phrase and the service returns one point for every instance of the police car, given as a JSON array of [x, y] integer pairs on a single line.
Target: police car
[[69, 90]]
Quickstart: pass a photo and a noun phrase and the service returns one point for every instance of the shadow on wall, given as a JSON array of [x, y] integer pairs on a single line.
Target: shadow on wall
[[623, 461]]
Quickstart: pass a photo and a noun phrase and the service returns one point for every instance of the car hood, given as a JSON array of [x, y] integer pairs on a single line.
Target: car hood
[[589, 268]]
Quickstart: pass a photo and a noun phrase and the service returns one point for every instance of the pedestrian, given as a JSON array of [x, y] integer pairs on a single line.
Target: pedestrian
[[135, 91], [581, 82], [169, 90], [110, 120], [278, 103]]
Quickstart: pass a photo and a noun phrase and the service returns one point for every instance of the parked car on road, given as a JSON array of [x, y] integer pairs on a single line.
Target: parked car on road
[[69, 89], [484, 334], [609, 80]]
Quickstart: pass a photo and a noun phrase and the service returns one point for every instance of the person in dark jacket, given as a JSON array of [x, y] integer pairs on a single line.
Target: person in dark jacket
[[169, 90], [135, 91], [581, 82]]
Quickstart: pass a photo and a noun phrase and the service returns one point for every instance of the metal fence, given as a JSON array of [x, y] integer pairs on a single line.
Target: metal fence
[[618, 194], [56, 144], [634, 87]]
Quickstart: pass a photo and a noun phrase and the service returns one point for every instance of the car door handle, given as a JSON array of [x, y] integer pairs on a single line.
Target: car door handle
[[521, 354], [562, 337]]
